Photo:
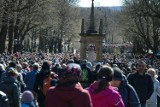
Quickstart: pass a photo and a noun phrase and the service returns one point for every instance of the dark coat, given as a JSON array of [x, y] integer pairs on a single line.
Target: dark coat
[[128, 94], [3, 100], [38, 86], [10, 87], [143, 85]]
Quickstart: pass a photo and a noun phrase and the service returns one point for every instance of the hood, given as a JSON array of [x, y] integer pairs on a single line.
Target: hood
[[100, 95], [124, 83], [68, 93], [8, 80]]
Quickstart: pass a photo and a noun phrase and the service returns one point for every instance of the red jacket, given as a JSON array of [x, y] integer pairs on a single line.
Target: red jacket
[[74, 95]]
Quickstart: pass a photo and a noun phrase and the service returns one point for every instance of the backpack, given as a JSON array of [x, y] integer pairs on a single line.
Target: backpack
[[46, 84], [84, 75]]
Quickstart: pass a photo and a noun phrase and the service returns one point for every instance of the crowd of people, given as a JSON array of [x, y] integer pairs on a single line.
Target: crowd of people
[[63, 80]]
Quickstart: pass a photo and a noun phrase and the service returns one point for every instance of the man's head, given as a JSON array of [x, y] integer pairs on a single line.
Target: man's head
[[141, 67], [117, 77], [35, 66]]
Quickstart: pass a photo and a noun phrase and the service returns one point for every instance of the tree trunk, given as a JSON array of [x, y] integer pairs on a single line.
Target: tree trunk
[[3, 32], [16, 28], [11, 36], [59, 45]]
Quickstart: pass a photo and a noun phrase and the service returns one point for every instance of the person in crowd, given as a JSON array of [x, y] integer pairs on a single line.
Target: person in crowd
[[127, 92], [10, 87], [2, 70], [158, 98], [12, 64], [25, 69], [142, 83], [68, 92], [152, 101], [3, 100], [86, 75], [20, 78], [27, 99], [30, 78], [96, 70], [38, 85], [57, 69], [102, 93]]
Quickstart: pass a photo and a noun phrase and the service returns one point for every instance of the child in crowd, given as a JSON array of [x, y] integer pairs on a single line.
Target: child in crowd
[[28, 99]]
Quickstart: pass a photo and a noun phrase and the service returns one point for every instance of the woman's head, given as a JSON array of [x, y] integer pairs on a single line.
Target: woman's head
[[152, 72], [104, 75]]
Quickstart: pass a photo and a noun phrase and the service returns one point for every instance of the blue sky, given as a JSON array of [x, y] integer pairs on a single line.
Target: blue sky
[[87, 3]]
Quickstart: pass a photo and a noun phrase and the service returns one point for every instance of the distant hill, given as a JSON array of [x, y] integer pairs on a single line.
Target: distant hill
[[113, 8]]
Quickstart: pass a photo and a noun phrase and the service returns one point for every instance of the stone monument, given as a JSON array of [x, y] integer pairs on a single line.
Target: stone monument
[[91, 36]]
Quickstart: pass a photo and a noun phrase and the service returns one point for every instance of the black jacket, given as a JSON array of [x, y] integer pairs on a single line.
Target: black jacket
[[143, 85], [10, 88], [3, 100]]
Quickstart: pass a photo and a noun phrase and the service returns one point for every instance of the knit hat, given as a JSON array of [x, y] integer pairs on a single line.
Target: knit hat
[[71, 73], [27, 97], [117, 74], [73, 69]]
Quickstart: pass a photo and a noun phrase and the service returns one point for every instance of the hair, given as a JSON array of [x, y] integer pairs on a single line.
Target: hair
[[35, 66], [104, 77], [12, 64], [153, 71], [12, 72]]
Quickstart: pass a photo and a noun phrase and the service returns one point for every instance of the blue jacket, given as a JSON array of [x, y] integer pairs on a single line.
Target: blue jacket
[[30, 80], [31, 104], [128, 94]]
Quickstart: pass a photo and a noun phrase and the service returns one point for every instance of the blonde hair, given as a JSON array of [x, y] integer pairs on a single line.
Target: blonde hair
[[152, 72]]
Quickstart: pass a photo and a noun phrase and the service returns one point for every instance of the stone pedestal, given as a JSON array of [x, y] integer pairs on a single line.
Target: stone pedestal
[[96, 39]]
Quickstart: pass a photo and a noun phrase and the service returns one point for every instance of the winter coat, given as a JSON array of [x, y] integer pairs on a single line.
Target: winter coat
[[128, 93], [10, 88], [30, 80], [106, 98], [143, 85], [86, 77], [71, 96], [3, 100], [31, 104], [152, 101], [38, 86]]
